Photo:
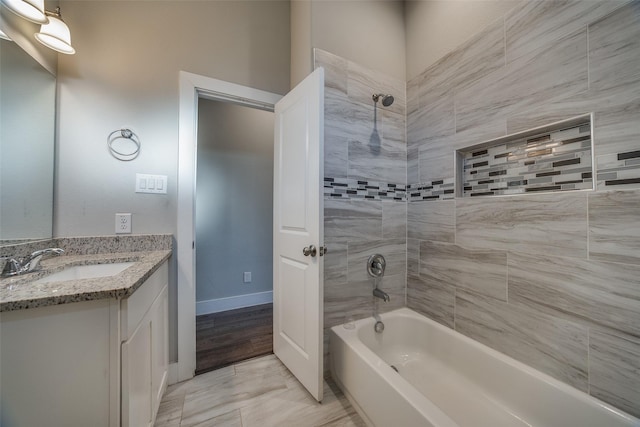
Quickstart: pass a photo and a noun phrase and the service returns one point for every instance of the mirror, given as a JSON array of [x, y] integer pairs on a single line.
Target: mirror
[[27, 135]]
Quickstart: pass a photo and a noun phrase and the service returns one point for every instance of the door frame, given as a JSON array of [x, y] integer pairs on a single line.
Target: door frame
[[193, 87]]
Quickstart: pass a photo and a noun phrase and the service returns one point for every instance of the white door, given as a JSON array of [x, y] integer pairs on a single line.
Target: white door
[[298, 224]]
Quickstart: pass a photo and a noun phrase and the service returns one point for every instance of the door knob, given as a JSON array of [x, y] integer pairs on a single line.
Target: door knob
[[310, 251]]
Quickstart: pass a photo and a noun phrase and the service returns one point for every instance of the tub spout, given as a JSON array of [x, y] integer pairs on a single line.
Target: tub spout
[[381, 294]]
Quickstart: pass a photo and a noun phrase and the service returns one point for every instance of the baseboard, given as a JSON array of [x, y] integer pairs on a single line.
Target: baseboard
[[230, 303]]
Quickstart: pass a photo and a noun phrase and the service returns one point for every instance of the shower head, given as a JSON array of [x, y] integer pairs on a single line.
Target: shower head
[[387, 100]]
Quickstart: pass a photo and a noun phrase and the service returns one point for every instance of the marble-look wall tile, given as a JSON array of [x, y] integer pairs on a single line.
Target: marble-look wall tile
[[362, 140], [413, 256], [347, 220], [432, 299], [479, 271], [393, 250], [614, 79], [435, 167], [335, 265], [536, 24], [617, 119], [614, 226], [479, 56], [377, 161], [371, 155], [546, 75], [590, 292], [614, 44], [413, 163], [353, 299], [394, 220], [432, 221], [436, 116], [554, 346], [335, 70], [614, 369], [538, 224], [543, 114], [336, 134], [393, 126], [363, 82]]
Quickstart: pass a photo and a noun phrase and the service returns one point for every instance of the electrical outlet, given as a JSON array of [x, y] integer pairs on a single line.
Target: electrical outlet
[[247, 277], [123, 223]]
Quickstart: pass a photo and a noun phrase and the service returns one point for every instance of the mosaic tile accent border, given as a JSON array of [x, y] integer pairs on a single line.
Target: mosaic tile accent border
[[619, 170], [349, 188], [552, 160], [440, 189]]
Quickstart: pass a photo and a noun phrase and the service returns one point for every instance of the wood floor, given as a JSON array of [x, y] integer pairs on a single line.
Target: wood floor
[[259, 392], [231, 336]]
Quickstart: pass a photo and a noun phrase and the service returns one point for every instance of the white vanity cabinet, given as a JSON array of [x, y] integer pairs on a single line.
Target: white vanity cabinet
[[145, 356], [100, 363]]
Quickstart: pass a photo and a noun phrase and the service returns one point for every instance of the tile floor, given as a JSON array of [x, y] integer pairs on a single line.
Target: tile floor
[[257, 392]]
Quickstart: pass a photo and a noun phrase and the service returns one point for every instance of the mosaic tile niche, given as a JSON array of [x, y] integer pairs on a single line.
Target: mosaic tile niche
[[552, 158]]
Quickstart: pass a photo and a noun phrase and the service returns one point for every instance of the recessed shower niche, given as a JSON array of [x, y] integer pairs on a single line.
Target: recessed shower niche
[[550, 158]]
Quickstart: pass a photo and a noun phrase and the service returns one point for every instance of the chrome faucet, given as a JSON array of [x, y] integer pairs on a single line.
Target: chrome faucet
[[378, 293], [15, 267]]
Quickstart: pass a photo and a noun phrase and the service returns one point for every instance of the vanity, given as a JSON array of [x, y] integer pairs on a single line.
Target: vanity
[[83, 339], [80, 350]]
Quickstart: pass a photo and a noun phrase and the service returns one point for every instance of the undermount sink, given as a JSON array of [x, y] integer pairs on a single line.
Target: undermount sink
[[91, 271]]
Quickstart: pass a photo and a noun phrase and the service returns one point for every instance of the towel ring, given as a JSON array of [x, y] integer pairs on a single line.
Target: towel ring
[[126, 134]]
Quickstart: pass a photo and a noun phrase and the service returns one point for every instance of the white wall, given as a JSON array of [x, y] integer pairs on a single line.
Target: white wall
[[436, 27], [125, 73], [234, 209]]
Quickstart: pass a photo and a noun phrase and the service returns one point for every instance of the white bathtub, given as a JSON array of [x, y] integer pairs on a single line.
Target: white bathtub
[[446, 379]]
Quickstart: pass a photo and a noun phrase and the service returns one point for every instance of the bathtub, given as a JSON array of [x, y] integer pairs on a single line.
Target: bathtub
[[445, 379]]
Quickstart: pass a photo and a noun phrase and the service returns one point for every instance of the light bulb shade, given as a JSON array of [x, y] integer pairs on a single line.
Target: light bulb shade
[[31, 10], [56, 35]]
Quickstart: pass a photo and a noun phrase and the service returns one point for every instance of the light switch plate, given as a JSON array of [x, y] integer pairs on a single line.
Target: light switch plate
[[155, 184]]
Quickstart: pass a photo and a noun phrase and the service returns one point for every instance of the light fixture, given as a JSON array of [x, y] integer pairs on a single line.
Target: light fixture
[[55, 34], [31, 10], [4, 35]]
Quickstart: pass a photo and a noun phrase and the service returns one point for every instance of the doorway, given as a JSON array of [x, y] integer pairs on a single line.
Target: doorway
[[193, 88], [297, 221], [234, 244]]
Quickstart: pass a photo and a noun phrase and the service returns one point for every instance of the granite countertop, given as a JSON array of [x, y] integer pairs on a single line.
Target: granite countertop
[[18, 293]]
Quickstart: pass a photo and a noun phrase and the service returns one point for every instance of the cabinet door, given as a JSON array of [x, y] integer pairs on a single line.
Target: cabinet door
[[136, 377], [160, 348]]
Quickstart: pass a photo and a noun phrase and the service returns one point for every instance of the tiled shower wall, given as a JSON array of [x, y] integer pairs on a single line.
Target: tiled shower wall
[[550, 279], [365, 173]]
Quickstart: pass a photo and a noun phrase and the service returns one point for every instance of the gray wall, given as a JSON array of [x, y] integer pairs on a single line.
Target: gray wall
[[362, 143], [551, 280], [370, 33], [125, 73], [234, 208]]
